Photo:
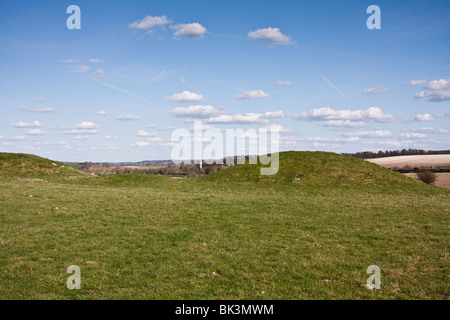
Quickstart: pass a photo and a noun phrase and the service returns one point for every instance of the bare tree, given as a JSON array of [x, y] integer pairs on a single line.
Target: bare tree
[[427, 176]]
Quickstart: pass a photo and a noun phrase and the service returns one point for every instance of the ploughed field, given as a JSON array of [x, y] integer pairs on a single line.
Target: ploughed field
[[308, 232]]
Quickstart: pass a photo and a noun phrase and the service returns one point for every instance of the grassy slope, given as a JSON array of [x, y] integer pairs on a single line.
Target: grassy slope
[[150, 237]]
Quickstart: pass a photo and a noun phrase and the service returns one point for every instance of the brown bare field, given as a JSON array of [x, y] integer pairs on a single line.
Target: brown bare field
[[442, 179], [432, 160]]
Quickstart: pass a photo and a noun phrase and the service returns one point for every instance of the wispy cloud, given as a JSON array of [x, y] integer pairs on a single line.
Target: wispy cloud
[[197, 112], [37, 110], [283, 83], [378, 90]]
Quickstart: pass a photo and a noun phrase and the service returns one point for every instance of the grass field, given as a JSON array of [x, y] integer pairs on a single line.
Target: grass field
[[230, 235]]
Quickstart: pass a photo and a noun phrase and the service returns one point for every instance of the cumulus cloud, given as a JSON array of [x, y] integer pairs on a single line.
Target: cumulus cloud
[[435, 91], [101, 113], [247, 118], [197, 112], [254, 94], [39, 98], [126, 117], [424, 117], [378, 90], [271, 35], [186, 96], [149, 22], [324, 114], [38, 110], [21, 124], [190, 30], [283, 83]]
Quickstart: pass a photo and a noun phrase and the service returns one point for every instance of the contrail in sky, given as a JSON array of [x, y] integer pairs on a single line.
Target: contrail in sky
[[123, 91], [332, 85]]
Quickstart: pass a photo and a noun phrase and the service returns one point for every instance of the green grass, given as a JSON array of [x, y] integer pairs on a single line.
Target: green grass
[[229, 235]]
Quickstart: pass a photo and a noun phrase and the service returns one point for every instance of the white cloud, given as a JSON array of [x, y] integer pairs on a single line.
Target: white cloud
[[254, 94], [38, 110], [186, 96], [271, 35], [436, 90], [149, 22], [247, 118], [39, 98], [18, 138], [340, 139], [99, 73], [414, 135], [197, 112], [277, 127], [370, 134], [127, 117], [430, 130], [424, 117], [21, 124], [101, 113], [190, 30], [323, 114], [378, 90], [417, 82], [81, 69], [95, 61], [141, 144], [69, 61], [85, 127], [153, 139], [283, 83], [143, 133], [36, 132], [345, 124]]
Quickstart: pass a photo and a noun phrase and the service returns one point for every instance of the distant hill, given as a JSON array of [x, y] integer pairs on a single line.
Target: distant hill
[[20, 164], [314, 169]]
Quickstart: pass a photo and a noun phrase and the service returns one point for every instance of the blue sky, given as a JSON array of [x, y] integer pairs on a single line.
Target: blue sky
[[116, 89]]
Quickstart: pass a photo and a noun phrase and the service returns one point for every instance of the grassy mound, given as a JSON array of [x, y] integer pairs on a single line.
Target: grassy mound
[[314, 169], [20, 164]]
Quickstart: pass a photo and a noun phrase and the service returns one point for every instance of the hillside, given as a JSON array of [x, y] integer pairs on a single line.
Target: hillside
[[20, 164], [314, 169]]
